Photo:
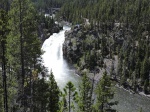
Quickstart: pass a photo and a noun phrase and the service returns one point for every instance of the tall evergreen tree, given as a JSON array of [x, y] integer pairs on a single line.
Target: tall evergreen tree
[[104, 94], [145, 70], [70, 94], [23, 46], [3, 33], [54, 94], [1, 95], [85, 96], [40, 95]]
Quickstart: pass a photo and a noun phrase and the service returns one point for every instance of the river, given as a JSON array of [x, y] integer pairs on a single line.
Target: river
[[63, 72], [53, 59]]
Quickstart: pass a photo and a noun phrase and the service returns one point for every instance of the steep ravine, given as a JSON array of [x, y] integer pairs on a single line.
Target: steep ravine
[[80, 49]]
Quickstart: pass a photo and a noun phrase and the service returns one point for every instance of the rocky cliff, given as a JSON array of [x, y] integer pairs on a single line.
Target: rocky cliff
[[109, 47]]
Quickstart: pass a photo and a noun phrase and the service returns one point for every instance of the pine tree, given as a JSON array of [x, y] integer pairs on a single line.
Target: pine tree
[[85, 97], [3, 33], [104, 94], [1, 95], [23, 47], [146, 86], [63, 103], [70, 94], [54, 94], [40, 95], [144, 70]]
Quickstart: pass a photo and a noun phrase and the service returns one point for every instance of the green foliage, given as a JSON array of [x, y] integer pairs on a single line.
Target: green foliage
[[119, 27], [3, 32], [54, 94], [41, 95], [111, 10], [23, 53], [146, 86], [85, 100], [46, 4], [1, 95], [104, 94], [70, 96], [145, 70], [63, 104]]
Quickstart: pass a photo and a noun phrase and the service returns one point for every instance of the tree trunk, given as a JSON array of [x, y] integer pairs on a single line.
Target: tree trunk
[[4, 79], [31, 93], [92, 89], [21, 54], [4, 73], [69, 101]]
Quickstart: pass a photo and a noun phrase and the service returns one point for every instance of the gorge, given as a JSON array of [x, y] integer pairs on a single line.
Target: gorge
[[64, 72]]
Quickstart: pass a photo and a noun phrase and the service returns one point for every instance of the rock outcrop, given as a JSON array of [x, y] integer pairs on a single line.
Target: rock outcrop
[[72, 47], [79, 48], [44, 33], [88, 49]]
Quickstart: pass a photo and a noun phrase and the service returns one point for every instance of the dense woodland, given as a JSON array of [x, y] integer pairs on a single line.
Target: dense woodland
[[123, 31], [23, 84], [117, 30]]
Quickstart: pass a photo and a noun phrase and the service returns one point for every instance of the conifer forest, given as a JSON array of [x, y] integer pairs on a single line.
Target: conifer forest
[[106, 45]]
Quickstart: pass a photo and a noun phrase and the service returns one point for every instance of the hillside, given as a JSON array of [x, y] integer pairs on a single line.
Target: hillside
[[116, 39]]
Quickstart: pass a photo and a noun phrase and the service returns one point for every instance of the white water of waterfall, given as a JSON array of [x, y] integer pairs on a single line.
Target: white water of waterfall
[[53, 59]]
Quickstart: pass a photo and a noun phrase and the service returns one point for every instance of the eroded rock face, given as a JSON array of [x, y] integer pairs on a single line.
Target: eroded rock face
[[98, 49], [71, 50], [73, 47], [87, 48]]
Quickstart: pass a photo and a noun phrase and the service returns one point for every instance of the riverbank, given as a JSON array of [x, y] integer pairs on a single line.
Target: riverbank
[[79, 49], [132, 92], [64, 72]]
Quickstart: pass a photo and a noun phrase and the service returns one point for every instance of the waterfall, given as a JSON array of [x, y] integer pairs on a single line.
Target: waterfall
[[53, 59]]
